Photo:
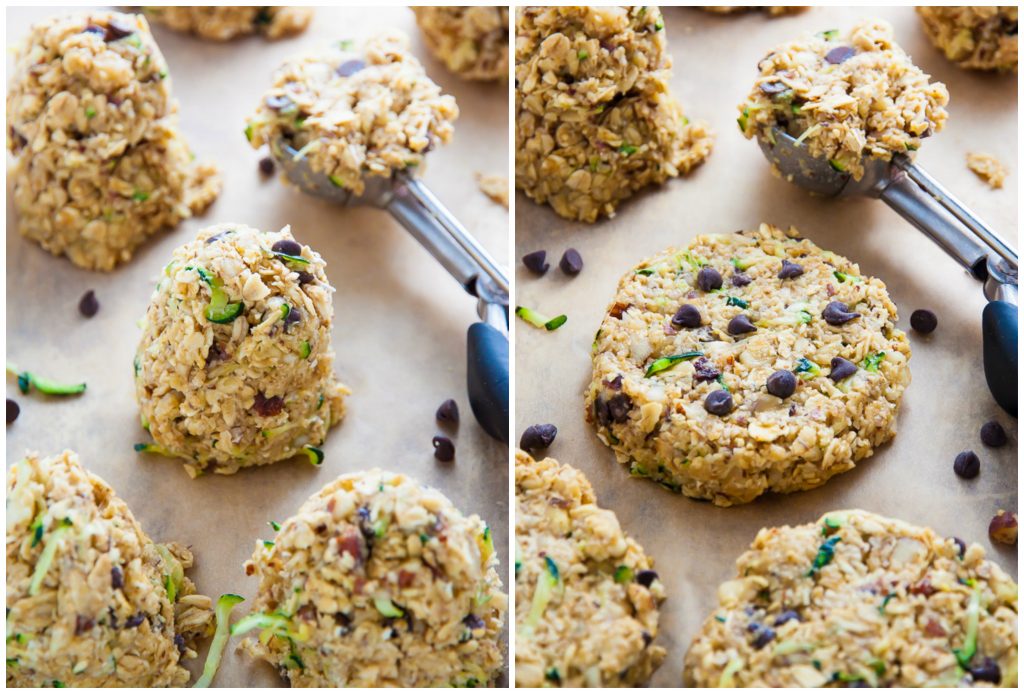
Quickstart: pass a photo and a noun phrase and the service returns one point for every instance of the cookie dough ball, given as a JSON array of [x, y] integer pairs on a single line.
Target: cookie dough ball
[[378, 581], [91, 600], [587, 596], [99, 162], [978, 38], [845, 98], [235, 365], [226, 23], [771, 10], [747, 363], [470, 41], [859, 600], [355, 111], [595, 121]]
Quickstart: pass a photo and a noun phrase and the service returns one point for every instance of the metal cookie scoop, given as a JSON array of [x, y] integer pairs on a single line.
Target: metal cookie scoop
[[415, 207], [923, 202]]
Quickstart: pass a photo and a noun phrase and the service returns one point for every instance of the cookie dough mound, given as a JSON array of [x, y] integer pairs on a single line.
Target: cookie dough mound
[[91, 600], [771, 10], [845, 98], [859, 600], [100, 164], [595, 121], [355, 111], [470, 41], [226, 23], [988, 168], [586, 595], [673, 336], [978, 38], [235, 365], [378, 581]]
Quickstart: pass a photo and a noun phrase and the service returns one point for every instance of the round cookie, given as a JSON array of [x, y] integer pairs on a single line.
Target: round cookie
[[378, 581], [859, 600], [595, 121], [977, 38], [684, 387], [355, 111], [845, 98], [587, 596], [226, 23], [91, 600], [471, 41], [235, 365]]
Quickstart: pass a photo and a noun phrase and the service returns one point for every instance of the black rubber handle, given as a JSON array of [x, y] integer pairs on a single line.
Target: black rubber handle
[[487, 379], [999, 337]]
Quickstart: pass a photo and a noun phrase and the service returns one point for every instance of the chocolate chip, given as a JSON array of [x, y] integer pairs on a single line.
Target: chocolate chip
[[116, 577], [839, 54], [790, 270], [967, 465], [135, 620], [741, 279], [772, 87], [842, 368], [648, 639], [294, 316], [179, 641], [571, 262], [718, 402], [118, 28], [787, 616], [83, 624], [740, 325], [837, 313], [709, 279], [538, 437], [535, 262], [94, 29], [688, 316], [705, 370], [619, 407], [267, 166], [287, 247], [448, 412], [444, 449], [961, 547], [781, 384], [646, 577], [764, 636], [472, 621], [988, 671], [305, 277], [268, 407], [13, 410], [350, 67], [88, 305], [993, 435], [277, 102], [923, 321]]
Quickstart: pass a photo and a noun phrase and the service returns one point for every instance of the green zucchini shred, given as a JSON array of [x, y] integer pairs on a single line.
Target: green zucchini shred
[[805, 368], [28, 380], [539, 320], [970, 647], [623, 574], [47, 555], [305, 349], [387, 608], [659, 365], [872, 362], [826, 552], [316, 456], [222, 613]]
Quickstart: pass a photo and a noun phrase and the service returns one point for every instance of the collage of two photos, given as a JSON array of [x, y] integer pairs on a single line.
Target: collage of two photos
[[512, 346]]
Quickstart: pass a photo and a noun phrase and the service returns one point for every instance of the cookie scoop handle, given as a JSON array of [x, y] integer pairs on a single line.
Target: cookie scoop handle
[[999, 338], [487, 378]]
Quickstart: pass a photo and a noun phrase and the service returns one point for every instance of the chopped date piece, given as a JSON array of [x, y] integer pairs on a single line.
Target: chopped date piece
[[619, 407], [923, 587], [536, 263], [571, 262], [350, 543], [993, 435], [923, 321], [83, 624], [268, 407], [448, 412], [538, 437], [13, 410], [709, 279], [967, 465], [933, 628], [444, 449], [305, 277], [705, 370], [118, 28], [88, 305]]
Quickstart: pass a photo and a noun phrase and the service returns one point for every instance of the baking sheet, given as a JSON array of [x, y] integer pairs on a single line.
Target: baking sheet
[[695, 544], [400, 320]]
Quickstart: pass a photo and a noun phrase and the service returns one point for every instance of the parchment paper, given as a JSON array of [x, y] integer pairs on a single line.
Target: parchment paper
[[695, 544], [400, 320]]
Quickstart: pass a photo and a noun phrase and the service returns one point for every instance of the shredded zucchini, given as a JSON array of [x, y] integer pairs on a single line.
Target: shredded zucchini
[[222, 611]]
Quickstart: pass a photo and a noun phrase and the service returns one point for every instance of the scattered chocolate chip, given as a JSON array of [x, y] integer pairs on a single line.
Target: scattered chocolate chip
[[961, 547], [444, 449], [765, 635], [709, 279], [350, 67], [305, 277], [538, 437], [277, 102], [448, 412], [268, 407], [1003, 528], [841, 368], [88, 305], [988, 671], [287, 247], [923, 321], [118, 28], [267, 166], [705, 370], [646, 577], [116, 577], [718, 402], [787, 616], [790, 270], [135, 620], [781, 384], [993, 435], [83, 624], [619, 407], [13, 410], [294, 316], [688, 316], [741, 279], [472, 621], [535, 262], [571, 262], [837, 313], [772, 87], [967, 465], [839, 54], [740, 325]]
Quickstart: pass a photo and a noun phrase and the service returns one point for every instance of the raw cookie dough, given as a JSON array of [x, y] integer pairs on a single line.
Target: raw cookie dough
[[988, 168], [772, 10], [235, 365], [859, 600], [845, 99], [226, 23], [355, 111], [652, 375], [91, 600], [595, 121], [470, 41], [495, 187], [100, 164], [378, 581], [979, 38], [586, 595]]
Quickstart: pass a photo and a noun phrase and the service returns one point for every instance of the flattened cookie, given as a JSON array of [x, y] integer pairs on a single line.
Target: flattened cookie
[[471, 41], [859, 600], [586, 594], [977, 38], [747, 363]]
